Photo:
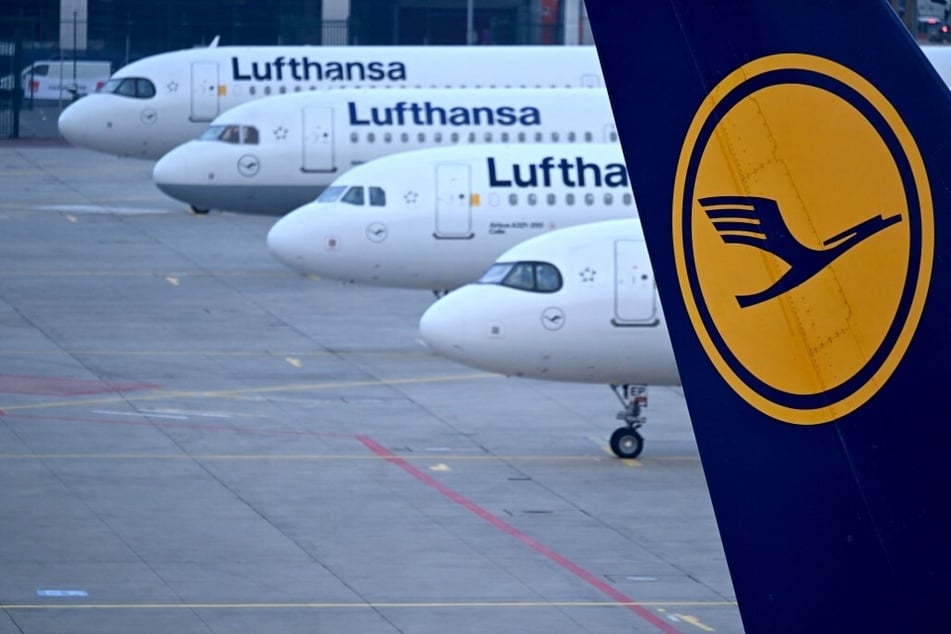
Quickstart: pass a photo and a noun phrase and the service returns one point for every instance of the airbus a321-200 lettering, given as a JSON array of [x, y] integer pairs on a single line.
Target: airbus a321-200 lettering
[[154, 104], [275, 154], [579, 305], [436, 218]]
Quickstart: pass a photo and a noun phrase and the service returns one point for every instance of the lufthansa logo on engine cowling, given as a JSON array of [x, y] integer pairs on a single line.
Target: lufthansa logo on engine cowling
[[803, 235]]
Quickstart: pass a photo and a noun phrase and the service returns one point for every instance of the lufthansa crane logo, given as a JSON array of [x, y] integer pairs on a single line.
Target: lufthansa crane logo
[[803, 236]]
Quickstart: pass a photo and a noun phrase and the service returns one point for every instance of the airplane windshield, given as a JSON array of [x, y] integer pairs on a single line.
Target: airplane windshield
[[538, 277], [135, 87], [332, 194], [212, 133]]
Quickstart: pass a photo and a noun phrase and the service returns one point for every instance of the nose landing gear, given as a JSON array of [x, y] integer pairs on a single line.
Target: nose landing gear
[[626, 442]]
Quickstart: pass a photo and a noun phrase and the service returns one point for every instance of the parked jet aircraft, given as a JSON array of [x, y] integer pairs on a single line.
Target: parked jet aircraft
[[794, 179], [436, 218], [152, 105], [275, 154], [577, 304]]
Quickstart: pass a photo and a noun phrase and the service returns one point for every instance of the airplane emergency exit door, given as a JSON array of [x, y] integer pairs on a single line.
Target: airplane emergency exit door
[[318, 138], [204, 91], [453, 195]]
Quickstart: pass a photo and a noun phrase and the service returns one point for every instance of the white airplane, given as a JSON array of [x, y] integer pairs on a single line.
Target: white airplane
[[579, 305], [275, 154], [157, 103], [436, 218]]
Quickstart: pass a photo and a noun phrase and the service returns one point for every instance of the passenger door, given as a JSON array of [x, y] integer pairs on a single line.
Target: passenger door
[[635, 298], [204, 91], [453, 194], [318, 140]]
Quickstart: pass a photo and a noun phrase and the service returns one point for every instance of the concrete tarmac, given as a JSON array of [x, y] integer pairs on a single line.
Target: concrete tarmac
[[195, 439]]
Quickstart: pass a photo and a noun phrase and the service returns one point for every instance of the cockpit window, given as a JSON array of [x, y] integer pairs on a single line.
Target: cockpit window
[[538, 277], [377, 197], [135, 87], [332, 194], [354, 196], [231, 134]]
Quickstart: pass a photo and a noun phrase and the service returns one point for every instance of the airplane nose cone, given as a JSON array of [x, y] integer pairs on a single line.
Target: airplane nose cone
[[73, 125], [288, 240], [441, 325], [170, 173]]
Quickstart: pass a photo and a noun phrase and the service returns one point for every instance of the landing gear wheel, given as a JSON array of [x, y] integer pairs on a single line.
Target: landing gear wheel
[[627, 443], [198, 211]]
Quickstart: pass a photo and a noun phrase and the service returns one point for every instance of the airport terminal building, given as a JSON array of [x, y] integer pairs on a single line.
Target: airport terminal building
[[126, 30]]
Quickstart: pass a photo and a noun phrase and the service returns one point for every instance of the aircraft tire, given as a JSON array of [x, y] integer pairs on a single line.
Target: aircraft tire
[[627, 443], [198, 211]]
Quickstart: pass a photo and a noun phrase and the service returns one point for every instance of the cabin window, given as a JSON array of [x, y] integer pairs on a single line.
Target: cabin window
[[627, 199], [371, 137], [554, 137], [569, 199], [488, 137], [282, 89], [421, 137], [504, 137], [589, 199], [532, 199], [437, 138], [550, 198], [571, 137], [513, 199], [588, 137], [354, 196], [387, 137], [539, 137], [608, 199], [472, 137], [354, 137], [612, 136], [252, 90], [297, 88], [377, 197], [267, 90], [521, 137], [332, 194], [404, 137], [454, 137]]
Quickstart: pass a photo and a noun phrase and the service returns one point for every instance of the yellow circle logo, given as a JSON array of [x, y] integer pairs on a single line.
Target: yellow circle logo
[[803, 236]]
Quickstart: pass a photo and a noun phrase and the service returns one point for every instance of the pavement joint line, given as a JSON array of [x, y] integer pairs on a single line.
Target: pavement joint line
[[289, 457], [302, 387]]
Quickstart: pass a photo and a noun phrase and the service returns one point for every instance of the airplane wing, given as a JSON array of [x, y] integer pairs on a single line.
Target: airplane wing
[[818, 412]]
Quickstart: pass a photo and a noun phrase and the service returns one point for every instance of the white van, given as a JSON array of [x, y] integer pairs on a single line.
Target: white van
[[53, 79]]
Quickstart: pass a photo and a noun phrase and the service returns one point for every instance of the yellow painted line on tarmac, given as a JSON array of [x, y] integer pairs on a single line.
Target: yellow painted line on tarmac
[[72, 218], [294, 361], [697, 623], [303, 387], [172, 280], [362, 606], [627, 462]]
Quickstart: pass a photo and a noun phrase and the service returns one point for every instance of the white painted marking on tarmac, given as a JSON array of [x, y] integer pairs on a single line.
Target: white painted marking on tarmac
[[294, 361], [72, 218], [105, 209], [62, 593], [139, 414], [440, 467], [172, 280]]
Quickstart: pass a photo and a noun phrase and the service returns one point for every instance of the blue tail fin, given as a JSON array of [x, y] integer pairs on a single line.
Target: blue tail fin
[[818, 408]]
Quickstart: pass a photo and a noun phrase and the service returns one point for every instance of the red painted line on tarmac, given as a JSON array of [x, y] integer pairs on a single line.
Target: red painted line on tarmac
[[54, 386], [507, 528]]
